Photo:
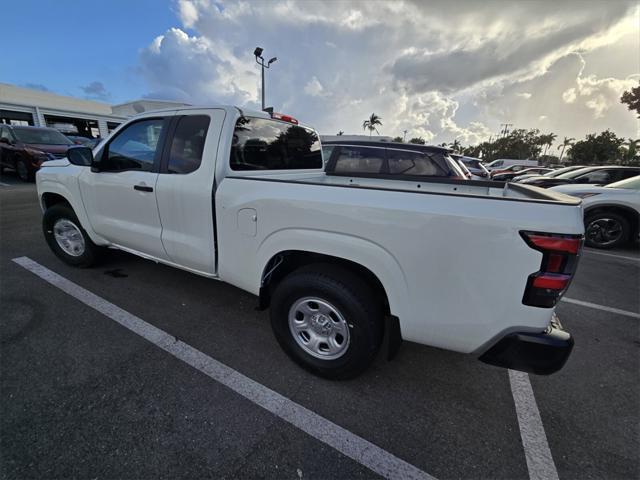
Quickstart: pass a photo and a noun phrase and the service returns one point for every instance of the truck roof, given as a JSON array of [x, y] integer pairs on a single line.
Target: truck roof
[[228, 108], [245, 111]]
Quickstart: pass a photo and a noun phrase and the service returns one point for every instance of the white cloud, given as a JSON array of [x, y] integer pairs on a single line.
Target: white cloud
[[340, 61], [598, 94], [570, 95], [314, 88]]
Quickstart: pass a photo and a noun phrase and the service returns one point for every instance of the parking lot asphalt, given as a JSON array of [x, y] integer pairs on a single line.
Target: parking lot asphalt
[[82, 396]]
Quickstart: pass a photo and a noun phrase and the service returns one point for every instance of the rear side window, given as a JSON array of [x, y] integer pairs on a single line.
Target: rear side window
[[624, 173], [187, 144], [597, 176], [359, 160], [403, 162], [327, 150], [263, 144]]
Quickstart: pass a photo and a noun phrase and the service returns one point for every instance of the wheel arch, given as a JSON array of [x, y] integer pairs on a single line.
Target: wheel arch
[[285, 262], [299, 246], [54, 193], [49, 199]]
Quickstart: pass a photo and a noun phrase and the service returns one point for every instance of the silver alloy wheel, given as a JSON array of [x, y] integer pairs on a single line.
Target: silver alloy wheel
[[21, 169], [604, 231], [319, 328], [68, 237]]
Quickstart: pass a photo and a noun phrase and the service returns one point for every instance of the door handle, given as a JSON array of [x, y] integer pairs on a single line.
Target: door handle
[[143, 188]]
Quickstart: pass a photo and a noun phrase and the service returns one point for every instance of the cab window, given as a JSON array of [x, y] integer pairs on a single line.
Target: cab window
[[187, 144], [134, 148], [265, 144]]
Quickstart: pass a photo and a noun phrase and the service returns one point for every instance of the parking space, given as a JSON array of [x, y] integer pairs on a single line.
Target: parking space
[[82, 395]]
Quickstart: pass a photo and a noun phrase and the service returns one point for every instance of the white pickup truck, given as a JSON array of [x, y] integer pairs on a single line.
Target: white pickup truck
[[341, 260]]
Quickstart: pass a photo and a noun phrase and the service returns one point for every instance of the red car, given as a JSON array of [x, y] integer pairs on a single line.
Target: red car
[[25, 148]]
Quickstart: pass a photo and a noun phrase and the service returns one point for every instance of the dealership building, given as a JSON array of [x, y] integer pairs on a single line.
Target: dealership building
[[73, 116]]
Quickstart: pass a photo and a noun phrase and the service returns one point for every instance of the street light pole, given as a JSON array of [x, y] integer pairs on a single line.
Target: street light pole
[[260, 61]]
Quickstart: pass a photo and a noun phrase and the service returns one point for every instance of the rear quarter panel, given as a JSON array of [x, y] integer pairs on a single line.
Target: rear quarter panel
[[454, 268]]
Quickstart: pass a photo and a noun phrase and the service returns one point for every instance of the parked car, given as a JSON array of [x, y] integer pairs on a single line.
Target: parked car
[[474, 165], [338, 259], [509, 169], [611, 213], [389, 160], [87, 142], [601, 175], [551, 174], [508, 176], [25, 148], [503, 163]]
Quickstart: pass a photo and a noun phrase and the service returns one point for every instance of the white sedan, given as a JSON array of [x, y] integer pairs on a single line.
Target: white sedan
[[611, 212]]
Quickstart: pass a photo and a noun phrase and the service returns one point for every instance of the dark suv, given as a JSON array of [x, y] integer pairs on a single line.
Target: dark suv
[[601, 175], [388, 160], [25, 148]]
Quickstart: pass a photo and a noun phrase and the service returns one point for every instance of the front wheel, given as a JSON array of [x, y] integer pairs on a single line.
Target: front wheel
[[327, 320], [606, 230], [23, 171], [66, 237]]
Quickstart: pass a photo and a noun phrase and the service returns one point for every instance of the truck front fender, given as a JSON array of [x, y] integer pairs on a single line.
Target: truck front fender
[[73, 198]]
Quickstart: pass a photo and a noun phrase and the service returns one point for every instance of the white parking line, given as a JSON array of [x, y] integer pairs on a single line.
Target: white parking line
[[534, 440], [362, 451], [604, 308], [623, 257]]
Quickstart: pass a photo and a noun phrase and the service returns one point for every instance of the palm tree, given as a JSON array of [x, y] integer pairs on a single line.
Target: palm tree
[[632, 149], [371, 123], [565, 143], [549, 139], [456, 146]]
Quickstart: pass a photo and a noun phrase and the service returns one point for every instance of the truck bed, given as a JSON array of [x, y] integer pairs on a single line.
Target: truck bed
[[433, 186]]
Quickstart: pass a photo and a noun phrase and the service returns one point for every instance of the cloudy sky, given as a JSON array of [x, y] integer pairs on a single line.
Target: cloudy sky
[[441, 69]]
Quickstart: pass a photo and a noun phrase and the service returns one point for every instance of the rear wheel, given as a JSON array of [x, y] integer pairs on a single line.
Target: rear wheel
[[66, 237], [606, 230], [327, 320]]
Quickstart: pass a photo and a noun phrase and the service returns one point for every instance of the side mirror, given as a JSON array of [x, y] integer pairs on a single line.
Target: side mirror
[[5, 140], [82, 156]]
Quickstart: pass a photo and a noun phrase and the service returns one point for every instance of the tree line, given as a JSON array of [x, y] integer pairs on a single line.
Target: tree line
[[595, 149]]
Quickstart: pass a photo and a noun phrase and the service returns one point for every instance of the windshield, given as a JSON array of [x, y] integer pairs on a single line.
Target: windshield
[[560, 171], [41, 136], [472, 163], [632, 183], [575, 173]]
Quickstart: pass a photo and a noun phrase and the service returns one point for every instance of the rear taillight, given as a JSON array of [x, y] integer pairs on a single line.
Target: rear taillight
[[559, 260]]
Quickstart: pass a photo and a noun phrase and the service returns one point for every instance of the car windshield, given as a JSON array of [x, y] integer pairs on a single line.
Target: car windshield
[[560, 171], [632, 183], [41, 136], [472, 163], [575, 173]]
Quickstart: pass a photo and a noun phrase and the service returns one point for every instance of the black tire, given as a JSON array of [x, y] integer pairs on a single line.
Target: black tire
[[23, 171], [91, 253], [354, 300], [606, 230]]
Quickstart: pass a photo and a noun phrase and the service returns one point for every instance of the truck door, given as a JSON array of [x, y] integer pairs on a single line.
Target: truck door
[[185, 189], [120, 196]]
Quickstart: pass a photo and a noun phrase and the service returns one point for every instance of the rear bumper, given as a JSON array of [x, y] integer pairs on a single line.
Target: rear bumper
[[540, 353]]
